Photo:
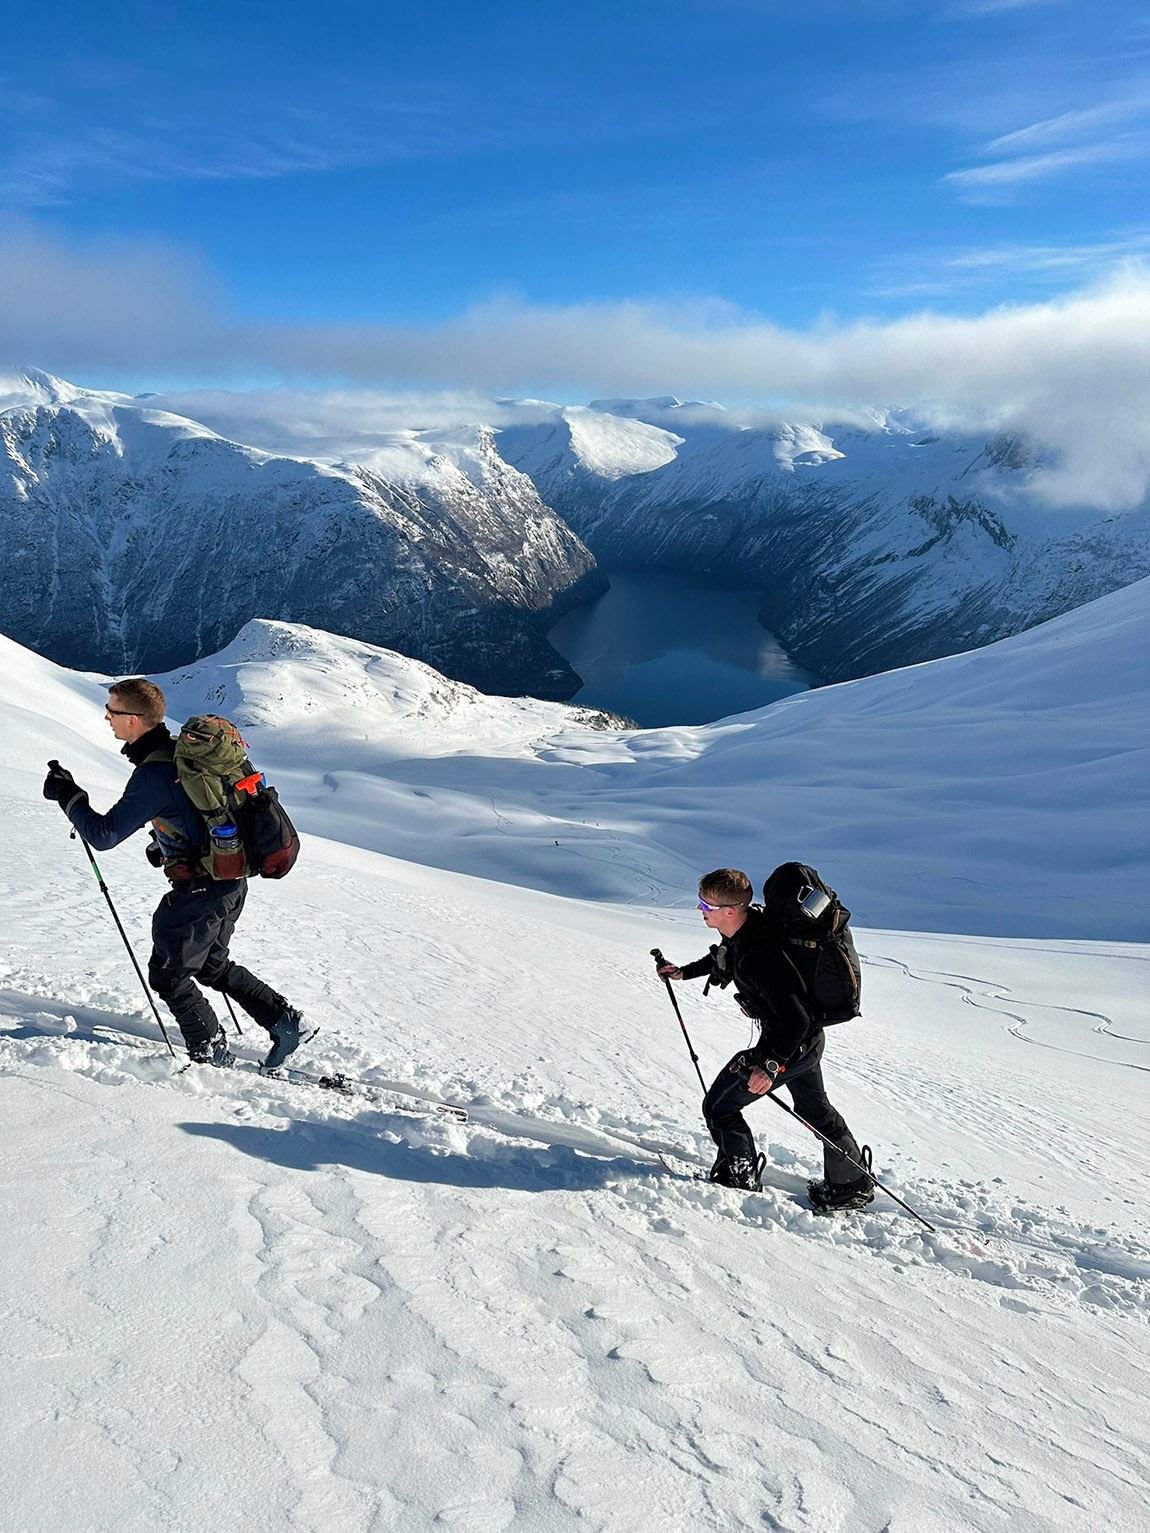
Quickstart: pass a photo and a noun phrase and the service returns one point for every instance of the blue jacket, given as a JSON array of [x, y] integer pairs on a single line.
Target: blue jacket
[[153, 792]]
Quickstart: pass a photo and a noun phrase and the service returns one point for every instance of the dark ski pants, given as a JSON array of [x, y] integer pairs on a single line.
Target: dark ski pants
[[729, 1094], [191, 929]]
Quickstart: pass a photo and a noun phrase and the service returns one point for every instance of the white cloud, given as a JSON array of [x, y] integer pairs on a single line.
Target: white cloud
[[1061, 259], [341, 424], [1069, 125], [110, 303], [1110, 132], [990, 7], [1072, 372], [50, 168], [983, 182], [928, 274]]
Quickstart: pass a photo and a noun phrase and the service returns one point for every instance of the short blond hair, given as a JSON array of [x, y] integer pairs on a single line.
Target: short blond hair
[[726, 886], [141, 697]]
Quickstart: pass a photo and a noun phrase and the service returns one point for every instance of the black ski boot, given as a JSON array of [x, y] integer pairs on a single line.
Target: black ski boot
[[285, 1033], [841, 1197], [742, 1173], [212, 1051]]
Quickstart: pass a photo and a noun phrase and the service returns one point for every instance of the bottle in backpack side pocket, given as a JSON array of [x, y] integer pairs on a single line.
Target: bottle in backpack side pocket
[[226, 852]]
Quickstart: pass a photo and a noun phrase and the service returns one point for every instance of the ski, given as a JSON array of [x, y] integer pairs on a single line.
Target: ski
[[693, 1171], [349, 1087], [393, 1098], [697, 1174], [393, 1095]]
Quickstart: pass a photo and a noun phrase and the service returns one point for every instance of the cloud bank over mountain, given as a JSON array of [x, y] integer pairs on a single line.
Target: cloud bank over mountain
[[1070, 372]]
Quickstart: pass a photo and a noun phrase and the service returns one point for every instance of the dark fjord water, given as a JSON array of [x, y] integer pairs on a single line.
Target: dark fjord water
[[671, 649]]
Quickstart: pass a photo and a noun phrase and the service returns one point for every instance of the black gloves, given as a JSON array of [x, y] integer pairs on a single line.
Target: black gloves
[[59, 785]]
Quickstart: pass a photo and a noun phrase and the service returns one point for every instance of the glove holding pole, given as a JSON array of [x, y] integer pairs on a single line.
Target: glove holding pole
[[60, 787], [665, 970]]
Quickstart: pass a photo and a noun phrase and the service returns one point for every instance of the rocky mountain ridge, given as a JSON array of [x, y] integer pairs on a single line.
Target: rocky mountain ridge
[[877, 544], [136, 539]]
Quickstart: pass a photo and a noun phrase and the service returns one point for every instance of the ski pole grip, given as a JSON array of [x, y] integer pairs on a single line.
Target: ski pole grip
[[658, 957]]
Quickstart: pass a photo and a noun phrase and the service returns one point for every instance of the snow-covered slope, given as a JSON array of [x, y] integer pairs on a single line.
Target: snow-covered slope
[[876, 545], [234, 1302], [136, 539], [1002, 791]]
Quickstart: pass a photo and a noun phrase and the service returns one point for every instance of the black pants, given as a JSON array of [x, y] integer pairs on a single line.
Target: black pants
[[729, 1094], [191, 929]]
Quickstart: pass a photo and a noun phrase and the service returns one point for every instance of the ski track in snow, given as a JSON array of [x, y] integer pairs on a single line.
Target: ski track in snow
[[1020, 1025], [1030, 1250]]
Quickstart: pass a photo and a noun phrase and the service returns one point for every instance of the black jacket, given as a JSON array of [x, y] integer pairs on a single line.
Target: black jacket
[[767, 986], [153, 792]]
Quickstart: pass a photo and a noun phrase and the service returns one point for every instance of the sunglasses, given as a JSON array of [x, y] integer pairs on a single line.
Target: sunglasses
[[119, 713], [704, 906]]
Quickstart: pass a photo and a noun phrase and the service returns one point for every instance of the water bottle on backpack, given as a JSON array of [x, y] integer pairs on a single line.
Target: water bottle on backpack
[[226, 851]]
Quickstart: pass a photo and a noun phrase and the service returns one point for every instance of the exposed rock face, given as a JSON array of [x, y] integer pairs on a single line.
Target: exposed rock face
[[139, 540], [874, 548]]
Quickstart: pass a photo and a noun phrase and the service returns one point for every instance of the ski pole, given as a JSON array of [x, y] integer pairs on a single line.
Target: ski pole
[[232, 1014], [659, 962], [862, 1170], [127, 944]]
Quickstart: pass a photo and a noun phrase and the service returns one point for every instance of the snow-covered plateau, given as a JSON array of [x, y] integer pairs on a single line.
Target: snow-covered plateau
[[875, 544], [135, 539], [235, 1302]]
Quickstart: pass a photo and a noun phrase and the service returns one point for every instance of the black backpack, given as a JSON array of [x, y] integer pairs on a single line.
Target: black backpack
[[812, 922]]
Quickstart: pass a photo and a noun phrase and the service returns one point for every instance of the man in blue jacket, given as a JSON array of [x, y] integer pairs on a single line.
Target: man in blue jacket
[[194, 921]]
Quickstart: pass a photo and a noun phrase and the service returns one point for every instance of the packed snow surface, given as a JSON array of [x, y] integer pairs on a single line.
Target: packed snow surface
[[237, 1302]]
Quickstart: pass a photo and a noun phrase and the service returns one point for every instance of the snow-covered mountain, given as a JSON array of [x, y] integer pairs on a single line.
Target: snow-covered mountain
[[138, 539], [876, 545], [234, 1301]]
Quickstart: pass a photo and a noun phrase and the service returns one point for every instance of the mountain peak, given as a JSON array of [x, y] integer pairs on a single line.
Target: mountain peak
[[20, 385]]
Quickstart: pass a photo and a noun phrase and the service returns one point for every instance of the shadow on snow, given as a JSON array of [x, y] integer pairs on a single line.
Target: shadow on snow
[[309, 1147]]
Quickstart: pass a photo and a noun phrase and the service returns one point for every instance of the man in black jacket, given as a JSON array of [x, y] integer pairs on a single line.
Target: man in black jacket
[[769, 989], [194, 921]]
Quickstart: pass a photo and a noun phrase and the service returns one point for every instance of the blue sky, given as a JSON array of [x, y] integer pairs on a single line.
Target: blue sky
[[380, 165]]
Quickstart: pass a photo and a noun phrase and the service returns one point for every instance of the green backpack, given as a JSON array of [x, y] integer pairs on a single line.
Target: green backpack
[[248, 829]]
